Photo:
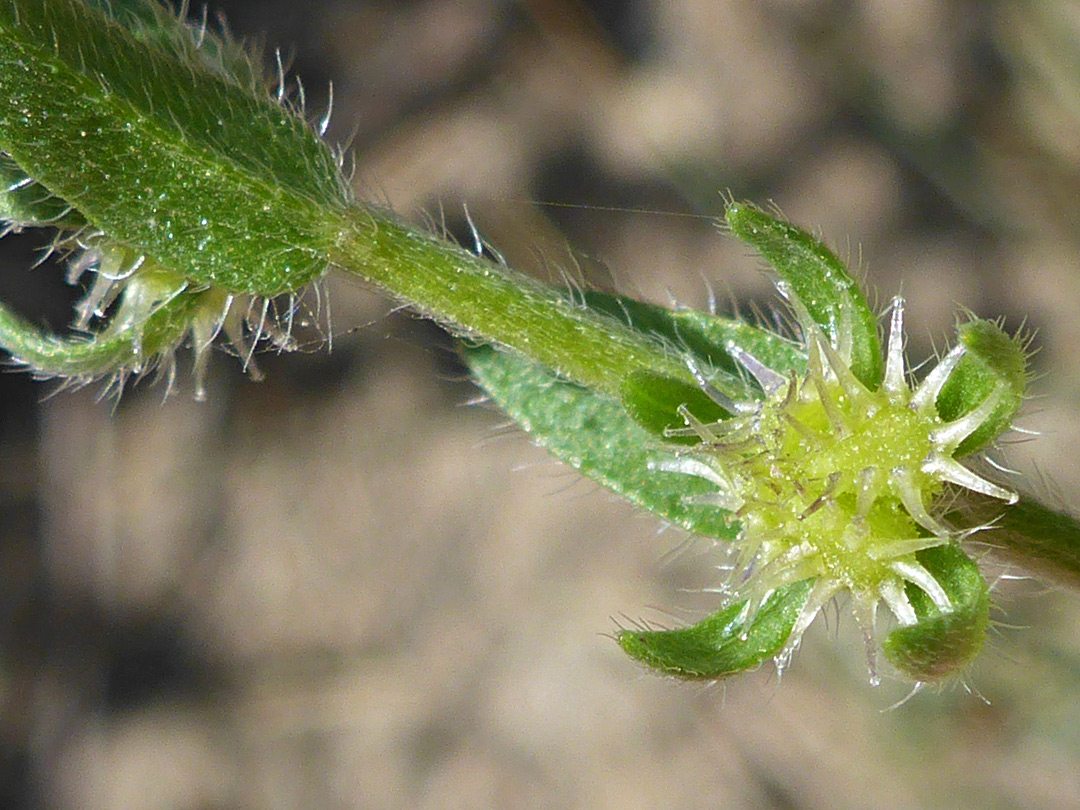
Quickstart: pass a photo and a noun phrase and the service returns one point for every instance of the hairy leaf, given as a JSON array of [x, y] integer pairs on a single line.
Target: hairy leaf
[[941, 644], [723, 644], [819, 279], [597, 434], [166, 155], [994, 361]]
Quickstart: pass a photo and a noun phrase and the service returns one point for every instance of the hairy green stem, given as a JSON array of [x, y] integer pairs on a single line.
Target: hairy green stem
[[1043, 541], [476, 298]]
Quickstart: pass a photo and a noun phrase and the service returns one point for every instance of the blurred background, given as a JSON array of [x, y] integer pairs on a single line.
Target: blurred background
[[342, 588]]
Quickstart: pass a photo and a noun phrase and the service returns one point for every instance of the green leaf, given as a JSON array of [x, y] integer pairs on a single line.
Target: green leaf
[[175, 159], [597, 434], [721, 645], [653, 401], [594, 434], [942, 644], [817, 278], [994, 361], [26, 204], [704, 337], [153, 22], [81, 359]]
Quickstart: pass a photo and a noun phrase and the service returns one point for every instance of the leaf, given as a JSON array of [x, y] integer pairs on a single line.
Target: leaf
[[705, 337], [819, 279], [994, 361], [593, 433], [653, 401], [596, 434], [721, 645], [150, 21], [941, 644], [172, 158]]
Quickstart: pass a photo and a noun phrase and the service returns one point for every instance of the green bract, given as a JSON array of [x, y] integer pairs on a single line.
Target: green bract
[[725, 643], [817, 278], [942, 642]]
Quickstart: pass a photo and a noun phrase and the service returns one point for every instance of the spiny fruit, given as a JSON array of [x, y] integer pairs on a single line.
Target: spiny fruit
[[838, 481]]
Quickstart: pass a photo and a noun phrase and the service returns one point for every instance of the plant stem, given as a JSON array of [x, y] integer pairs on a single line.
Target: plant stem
[[477, 298], [1043, 541]]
